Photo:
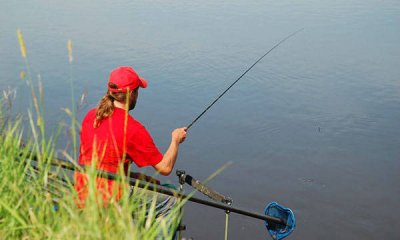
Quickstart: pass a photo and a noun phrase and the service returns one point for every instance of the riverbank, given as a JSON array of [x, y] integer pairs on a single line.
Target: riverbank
[[32, 208]]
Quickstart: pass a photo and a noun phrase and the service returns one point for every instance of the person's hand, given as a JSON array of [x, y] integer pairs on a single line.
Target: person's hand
[[179, 135]]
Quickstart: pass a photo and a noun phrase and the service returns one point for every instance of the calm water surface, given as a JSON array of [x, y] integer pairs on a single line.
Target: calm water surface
[[314, 126]]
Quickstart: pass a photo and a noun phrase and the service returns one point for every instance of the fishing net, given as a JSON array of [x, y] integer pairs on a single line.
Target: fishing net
[[276, 230]]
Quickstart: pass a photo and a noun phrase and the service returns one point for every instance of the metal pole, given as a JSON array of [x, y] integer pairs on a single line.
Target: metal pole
[[153, 187], [226, 224], [180, 210]]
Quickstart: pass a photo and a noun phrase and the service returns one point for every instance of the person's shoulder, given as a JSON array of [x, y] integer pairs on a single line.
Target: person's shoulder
[[135, 123], [89, 118], [91, 113], [137, 130]]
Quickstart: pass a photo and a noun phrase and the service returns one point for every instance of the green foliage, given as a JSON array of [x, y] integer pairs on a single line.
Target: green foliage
[[35, 204], [38, 200]]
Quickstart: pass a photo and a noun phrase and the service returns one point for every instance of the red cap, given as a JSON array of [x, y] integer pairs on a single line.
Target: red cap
[[124, 78]]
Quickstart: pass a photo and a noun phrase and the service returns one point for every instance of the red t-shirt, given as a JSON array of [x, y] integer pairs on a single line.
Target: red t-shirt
[[108, 143]]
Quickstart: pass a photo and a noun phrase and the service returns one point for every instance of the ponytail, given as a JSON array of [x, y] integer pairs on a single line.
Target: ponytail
[[104, 109], [106, 104]]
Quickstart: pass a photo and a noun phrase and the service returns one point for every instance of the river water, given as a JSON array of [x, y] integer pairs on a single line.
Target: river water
[[314, 126]]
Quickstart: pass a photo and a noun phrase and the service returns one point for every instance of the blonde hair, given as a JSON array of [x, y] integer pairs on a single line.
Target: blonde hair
[[106, 105]]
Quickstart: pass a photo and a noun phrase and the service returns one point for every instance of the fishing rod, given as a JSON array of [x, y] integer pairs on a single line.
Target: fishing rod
[[244, 73]]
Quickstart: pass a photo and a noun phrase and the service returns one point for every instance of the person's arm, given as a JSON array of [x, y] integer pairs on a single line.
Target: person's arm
[[167, 163]]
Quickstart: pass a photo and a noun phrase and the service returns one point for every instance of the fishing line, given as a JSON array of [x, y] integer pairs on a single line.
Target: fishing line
[[276, 45]]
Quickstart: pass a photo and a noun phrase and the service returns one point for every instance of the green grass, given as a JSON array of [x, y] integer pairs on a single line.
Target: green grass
[[27, 204], [34, 204]]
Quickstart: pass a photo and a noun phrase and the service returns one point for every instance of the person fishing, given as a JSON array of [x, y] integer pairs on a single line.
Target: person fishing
[[111, 137]]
